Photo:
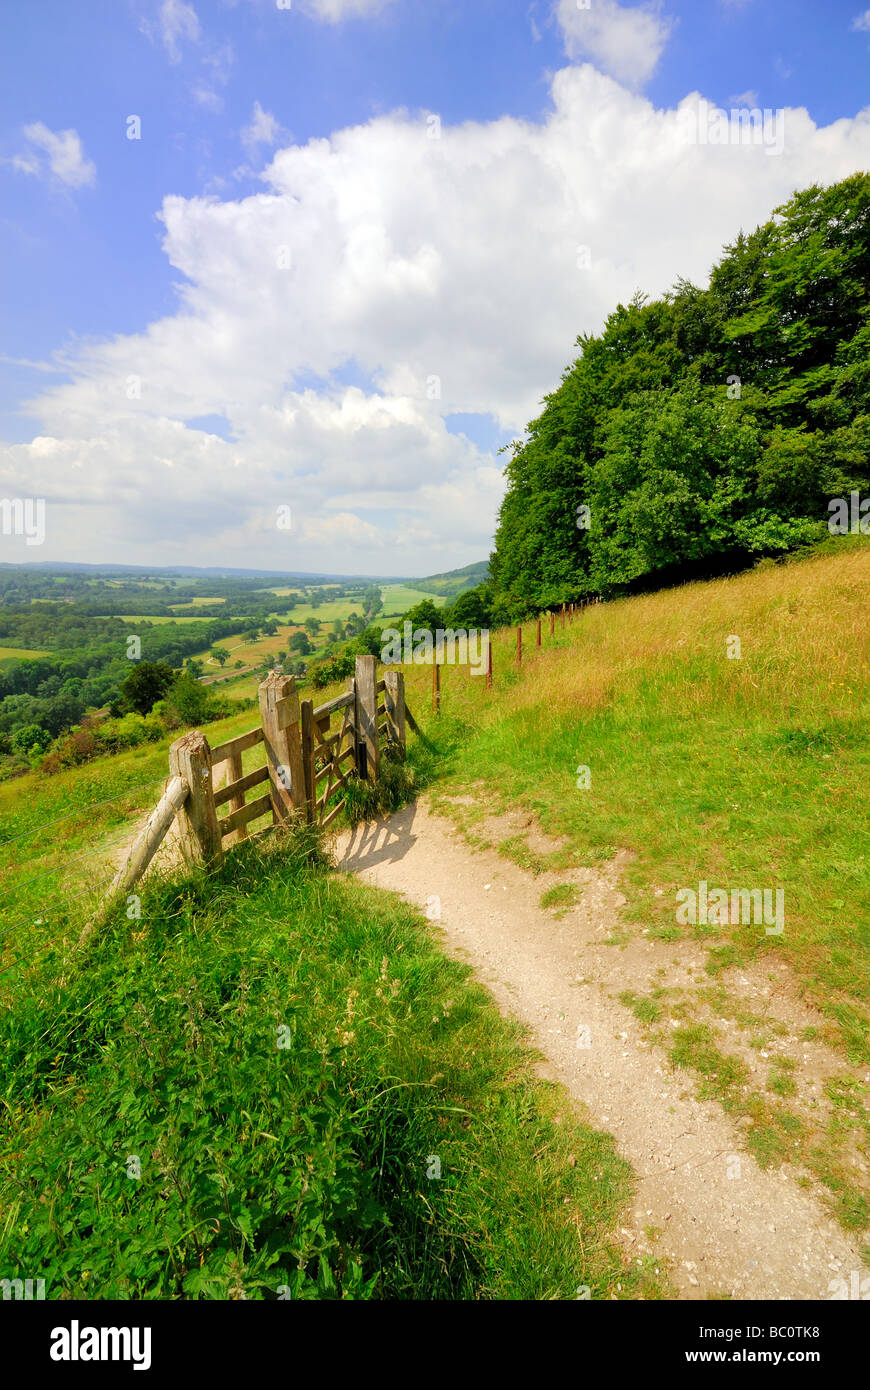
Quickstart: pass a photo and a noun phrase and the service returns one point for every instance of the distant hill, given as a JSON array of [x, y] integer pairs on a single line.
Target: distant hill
[[453, 582], [190, 572]]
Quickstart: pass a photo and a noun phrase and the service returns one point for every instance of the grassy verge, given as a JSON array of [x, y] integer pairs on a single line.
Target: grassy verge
[[274, 1084], [633, 728], [748, 772]]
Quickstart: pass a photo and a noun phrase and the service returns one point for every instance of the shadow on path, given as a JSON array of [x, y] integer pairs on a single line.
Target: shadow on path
[[383, 841]]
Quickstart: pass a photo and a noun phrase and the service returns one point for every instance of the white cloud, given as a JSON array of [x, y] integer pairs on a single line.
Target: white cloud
[[624, 42], [178, 21], [216, 64], [861, 22], [748, 98], [263, 129], [334, 11], [64, 158], [436, 275]]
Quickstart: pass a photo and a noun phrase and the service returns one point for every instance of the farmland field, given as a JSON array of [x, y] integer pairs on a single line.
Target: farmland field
[[153, 620], [19, 654], [398, 598]]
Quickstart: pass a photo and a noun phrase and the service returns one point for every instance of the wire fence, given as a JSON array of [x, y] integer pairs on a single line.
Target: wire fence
[[105, 849]]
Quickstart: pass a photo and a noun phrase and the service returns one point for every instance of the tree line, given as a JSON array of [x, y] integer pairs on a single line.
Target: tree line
[[705, 429]]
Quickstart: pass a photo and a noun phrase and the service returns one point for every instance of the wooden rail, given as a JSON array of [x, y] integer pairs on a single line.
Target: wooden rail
[[306, 766]]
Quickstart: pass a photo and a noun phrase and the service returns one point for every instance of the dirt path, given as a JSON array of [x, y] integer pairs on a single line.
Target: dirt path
[[723, 1225]]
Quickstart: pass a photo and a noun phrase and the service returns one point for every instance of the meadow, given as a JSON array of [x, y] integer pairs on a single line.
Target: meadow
[[744, 771], [269, 1082], [20, 653], [741, 765]]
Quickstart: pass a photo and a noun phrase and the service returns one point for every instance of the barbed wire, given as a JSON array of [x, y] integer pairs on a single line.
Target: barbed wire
[[13, 839], [105, 846]]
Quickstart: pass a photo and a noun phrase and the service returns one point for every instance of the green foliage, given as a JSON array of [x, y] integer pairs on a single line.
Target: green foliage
[[424, 614], [148, 682], [706, 428], [30, 738], [398, 782], [245, 1094], [189, 698]]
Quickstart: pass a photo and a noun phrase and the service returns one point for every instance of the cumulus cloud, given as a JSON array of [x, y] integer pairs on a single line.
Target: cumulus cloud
[[380, 282], [55, 156], [625, 42], [861, 22]]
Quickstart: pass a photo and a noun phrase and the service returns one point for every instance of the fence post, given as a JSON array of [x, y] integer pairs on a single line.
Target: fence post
[[233, 765], [552, 622], [519, 646], [395, 703], [563, 615], [306, 710], [489, 661], [538, 634], [366, 711], [198, 830], [279, 716]]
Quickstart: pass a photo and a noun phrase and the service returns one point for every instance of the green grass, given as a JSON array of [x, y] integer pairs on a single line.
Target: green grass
[[60, 836], [152, 619], [20, 653], [274, 1080], [398, 598], [562, 896], [748, 773], [199, 602]]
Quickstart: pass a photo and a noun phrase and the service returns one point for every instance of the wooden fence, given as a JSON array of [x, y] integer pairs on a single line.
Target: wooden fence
[[308, 754]]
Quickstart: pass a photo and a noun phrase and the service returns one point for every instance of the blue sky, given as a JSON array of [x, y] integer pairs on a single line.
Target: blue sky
[[94, 279]]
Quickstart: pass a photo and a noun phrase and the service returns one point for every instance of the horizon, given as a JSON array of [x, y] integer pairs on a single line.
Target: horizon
[[215, 571]]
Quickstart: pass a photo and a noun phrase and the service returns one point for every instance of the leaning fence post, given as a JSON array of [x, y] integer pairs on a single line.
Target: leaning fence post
[[198, 829], [279, 716], [366, 711], [395, 703]]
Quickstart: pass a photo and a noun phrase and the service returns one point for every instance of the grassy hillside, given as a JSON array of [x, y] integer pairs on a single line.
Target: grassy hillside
[[453, 582], [744, 773], [270, 1083]]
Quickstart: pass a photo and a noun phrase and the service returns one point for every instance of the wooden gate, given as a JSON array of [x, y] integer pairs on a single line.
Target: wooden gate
[[326, 755], [305, 764]]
